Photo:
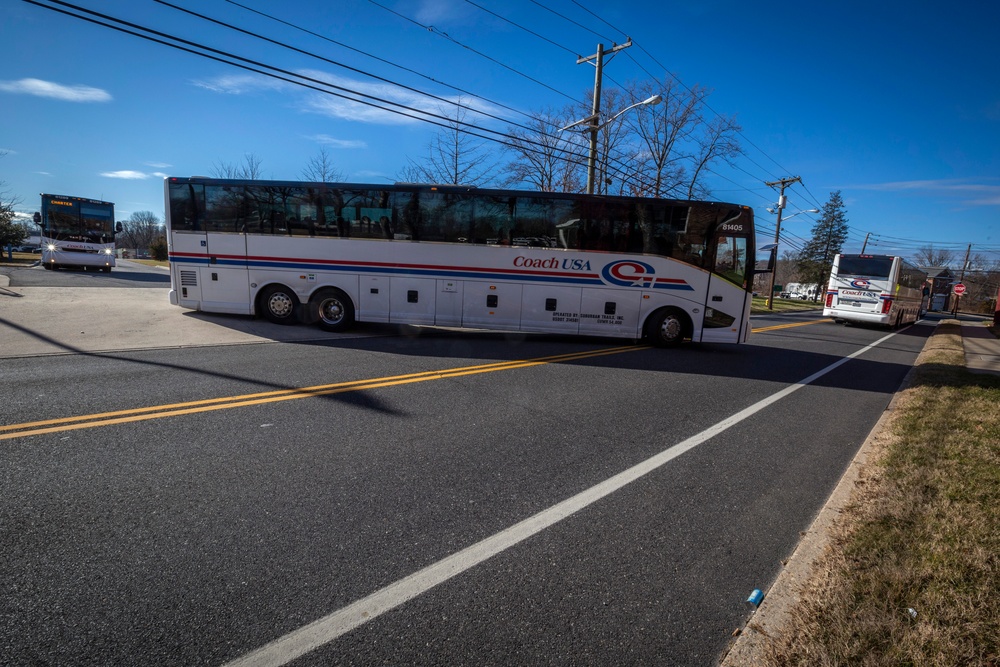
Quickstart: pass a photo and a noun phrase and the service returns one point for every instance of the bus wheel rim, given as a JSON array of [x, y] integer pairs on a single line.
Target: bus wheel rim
[[280, 305], [671, 328], [332, 311]]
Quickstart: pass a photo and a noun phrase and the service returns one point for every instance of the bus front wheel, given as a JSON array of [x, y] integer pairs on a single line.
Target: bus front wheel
[[279, 304], [332, 309], [668, 327]]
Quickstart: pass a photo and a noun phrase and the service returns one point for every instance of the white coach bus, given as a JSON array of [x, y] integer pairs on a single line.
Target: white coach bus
[[335, 254], [77, 232], [874, 289]]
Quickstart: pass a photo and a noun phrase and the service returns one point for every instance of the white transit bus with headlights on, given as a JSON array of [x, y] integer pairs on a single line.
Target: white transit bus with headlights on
[[77, 232], [884, 290], [335, 254]]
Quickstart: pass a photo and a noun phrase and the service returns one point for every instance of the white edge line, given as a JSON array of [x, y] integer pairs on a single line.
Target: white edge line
[[328, 628]]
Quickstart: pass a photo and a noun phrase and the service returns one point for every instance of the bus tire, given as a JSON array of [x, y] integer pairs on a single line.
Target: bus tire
[[668, 327], [279, 304], [332, 310], [47, 267]]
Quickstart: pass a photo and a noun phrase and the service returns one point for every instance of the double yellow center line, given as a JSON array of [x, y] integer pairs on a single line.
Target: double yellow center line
[[63, 424], [193, 407], [790, 325]]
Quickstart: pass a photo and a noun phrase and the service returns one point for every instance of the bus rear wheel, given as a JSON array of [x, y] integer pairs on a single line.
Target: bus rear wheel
[[279, 304], [332, 309], [668, 327]]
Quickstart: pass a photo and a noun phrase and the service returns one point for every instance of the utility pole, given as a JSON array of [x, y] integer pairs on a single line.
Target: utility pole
[[961, 279], [865, 244], [595, 118], [783, 183]]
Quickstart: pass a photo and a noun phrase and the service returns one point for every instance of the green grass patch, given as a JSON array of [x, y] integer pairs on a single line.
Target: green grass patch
[[19, 259], [759, 305], [922, 533]]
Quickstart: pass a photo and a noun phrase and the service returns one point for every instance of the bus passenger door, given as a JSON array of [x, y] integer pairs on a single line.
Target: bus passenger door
[[727, 302]]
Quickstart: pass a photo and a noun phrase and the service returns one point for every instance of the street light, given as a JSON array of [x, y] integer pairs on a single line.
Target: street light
[[777, 234], [594, 127]]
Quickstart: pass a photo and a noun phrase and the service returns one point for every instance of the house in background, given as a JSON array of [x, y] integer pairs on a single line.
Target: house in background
[[941, 280]]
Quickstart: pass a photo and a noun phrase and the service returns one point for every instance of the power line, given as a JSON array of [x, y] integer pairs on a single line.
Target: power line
[[379, 59], [301, 80], [445, 35]]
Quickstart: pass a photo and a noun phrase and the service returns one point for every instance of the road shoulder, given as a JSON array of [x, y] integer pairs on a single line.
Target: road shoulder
[[784, 597]]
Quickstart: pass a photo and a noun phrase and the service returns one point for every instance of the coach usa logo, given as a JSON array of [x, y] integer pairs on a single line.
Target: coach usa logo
[[629, 273]]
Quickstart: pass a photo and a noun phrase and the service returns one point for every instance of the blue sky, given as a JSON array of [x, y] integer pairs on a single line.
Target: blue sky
[[896, 104]]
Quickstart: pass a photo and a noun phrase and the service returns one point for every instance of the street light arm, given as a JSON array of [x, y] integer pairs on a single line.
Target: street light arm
[[650, 101], [811, 210], [591, 121]]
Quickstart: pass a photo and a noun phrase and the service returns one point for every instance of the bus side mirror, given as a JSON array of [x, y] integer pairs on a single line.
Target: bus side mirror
[[37, 218], [764, 261], [118, 226]]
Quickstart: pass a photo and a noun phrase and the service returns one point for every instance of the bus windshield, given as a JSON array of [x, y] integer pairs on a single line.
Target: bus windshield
[[77, 232], [867, 266]]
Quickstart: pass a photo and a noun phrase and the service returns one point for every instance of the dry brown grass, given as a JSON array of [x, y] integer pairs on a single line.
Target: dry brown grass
[[921, 533]]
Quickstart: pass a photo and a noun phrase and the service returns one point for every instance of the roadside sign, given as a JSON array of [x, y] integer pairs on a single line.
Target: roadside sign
[[959, 289]]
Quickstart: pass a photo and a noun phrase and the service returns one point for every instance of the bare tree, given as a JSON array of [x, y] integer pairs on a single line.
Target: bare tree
[[140, 231], [717, 140], [11, 232], [662, 131], [454, 156], [248, 170], [930, 256], [544, 158], [320, 169]]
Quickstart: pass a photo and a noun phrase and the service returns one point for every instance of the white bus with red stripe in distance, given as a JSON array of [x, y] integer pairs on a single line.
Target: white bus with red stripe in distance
[[335, 254], [883, 290]]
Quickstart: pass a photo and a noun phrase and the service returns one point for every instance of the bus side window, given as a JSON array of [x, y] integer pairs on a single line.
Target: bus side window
[[187, 206]]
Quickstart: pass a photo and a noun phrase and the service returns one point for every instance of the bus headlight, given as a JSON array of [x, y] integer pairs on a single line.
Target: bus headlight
[[107, 251], [51, 246]]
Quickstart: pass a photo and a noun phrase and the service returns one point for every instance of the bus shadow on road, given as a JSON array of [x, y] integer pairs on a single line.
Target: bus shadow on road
[[754, 362]]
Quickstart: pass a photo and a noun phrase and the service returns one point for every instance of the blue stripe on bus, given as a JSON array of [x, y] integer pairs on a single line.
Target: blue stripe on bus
[[437, 273]]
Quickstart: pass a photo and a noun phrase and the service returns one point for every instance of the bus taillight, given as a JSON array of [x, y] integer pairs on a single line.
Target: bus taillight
[[886, 305], [829, 300]]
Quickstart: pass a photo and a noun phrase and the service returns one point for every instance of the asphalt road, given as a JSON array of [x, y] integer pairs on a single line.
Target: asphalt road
[[612, 507]]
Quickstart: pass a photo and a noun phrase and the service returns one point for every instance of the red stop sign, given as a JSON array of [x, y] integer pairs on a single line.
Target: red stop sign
[[960, 289]]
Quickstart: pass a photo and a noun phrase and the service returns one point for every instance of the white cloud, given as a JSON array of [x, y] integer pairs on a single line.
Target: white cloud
[[157, 165], [126, 174], [371, 104], [970, 194], [327, 140], [240, 84], [440, 12], [39, 88]]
